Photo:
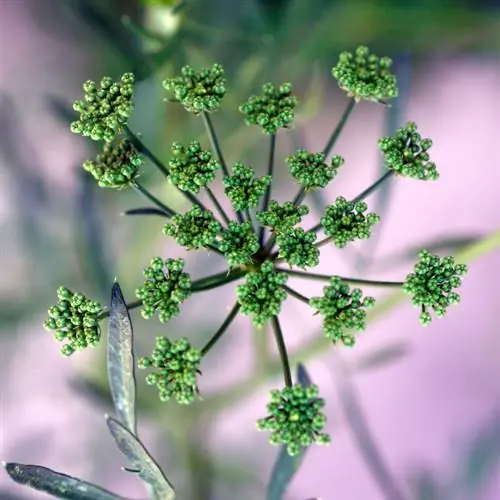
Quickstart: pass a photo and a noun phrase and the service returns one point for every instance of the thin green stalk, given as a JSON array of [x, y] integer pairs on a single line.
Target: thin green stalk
[[270, 244], [338, 129], [327, 277], [267, 197], [218, 206], [280, 342], [220, 332], [168, 211], [295, 294], [214, 142], [217, 280]]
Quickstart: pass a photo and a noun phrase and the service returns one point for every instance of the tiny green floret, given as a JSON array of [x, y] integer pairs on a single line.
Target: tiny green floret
[[295, 418], [342, 309], [192, 167], [116, 167], [238, 243], [196, 228], [177, 365], [243, 188], [296, 247], [165, 288], [281, 218], [198, 92], [272, 110], [75, 319], [310, 169], [407, 154], [106, 108], [432, 282], [346, 221], [365, 76], [262, 294]]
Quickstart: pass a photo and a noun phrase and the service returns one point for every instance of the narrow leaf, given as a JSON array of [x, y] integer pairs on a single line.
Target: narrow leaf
[[56, 484], [148, 470], [121, 360], [145, 211]]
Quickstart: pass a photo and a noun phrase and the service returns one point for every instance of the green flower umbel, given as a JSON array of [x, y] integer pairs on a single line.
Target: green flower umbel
[[262, 294], [177, 367], [199, 91], [296, 248], [281, 218], [432, 282], [342, 310], [165, 288], [407, 154], [365, 76], [272, 110], [105, 108], [75, 320], [238, 243], [310, 169], [116, 167], [346, 221], [295, 418]]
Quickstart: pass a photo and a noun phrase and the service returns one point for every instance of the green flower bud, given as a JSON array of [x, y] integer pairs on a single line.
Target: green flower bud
[[239, 242], [281, 218], [310, 169], [297, 248]]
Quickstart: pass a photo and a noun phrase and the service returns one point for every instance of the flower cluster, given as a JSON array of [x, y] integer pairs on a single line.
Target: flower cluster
[[310, 169], [116, 167], [238, 243], [192, 167], [243, 188], [406, 153], [75, 319], [365, 76], [295, 418], [176, 366], [273, 109], [346, 221], [105, 108], [262, 294], [296, 248], [199, 92], [432, 282], [282, 218], [342, 310], [165, 288]]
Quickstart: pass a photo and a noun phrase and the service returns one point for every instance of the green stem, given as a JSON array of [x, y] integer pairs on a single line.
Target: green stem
[[338, 129], [270, 245], [267, 197], [220, 332], [218, 206], [168, 211], [280, 342], [326, 277], [214, 142], [296, 294], [217, 280]]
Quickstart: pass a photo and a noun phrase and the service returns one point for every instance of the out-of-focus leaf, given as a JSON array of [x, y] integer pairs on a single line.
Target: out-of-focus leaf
[[61, 110], [425, 486], [286, 466], [135, 451], [145, 211], [382, 357], [56, 484], [121, 360]]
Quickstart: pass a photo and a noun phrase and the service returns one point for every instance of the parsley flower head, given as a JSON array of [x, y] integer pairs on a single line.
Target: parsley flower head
[[272, 110], [262, 294], [295, 418], [281, 218], [116, 167], [346, 221], [342, 309], [296, 247], [310, 169], [365, 76], [75, 319], [199, 92], [165, 288], [105, 109], [407, 154], [176, 366], [431, 284], [238, 243]]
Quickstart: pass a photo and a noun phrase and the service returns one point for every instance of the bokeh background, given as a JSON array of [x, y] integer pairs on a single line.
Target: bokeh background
[[430, 397]]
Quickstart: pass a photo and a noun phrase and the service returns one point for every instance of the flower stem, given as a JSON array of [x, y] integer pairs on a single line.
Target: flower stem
[[338, 129], [267, 196], [214, 142], [295, 294], [217, 280], [218, 206], [220, 332], [327, 277], [168, 211], [280, 342]]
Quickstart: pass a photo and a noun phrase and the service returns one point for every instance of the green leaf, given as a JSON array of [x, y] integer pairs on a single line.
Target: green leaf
[[286, 466], [56, 484], [121, 360], [148, 470]]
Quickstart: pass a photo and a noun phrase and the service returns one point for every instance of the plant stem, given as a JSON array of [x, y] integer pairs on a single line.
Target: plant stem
[[338, 129], [280, 342], [220, 332], [326, 277], [168, 211], [267, 196], [295, 294], [216, 280], [214, 142], [218, 206]]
